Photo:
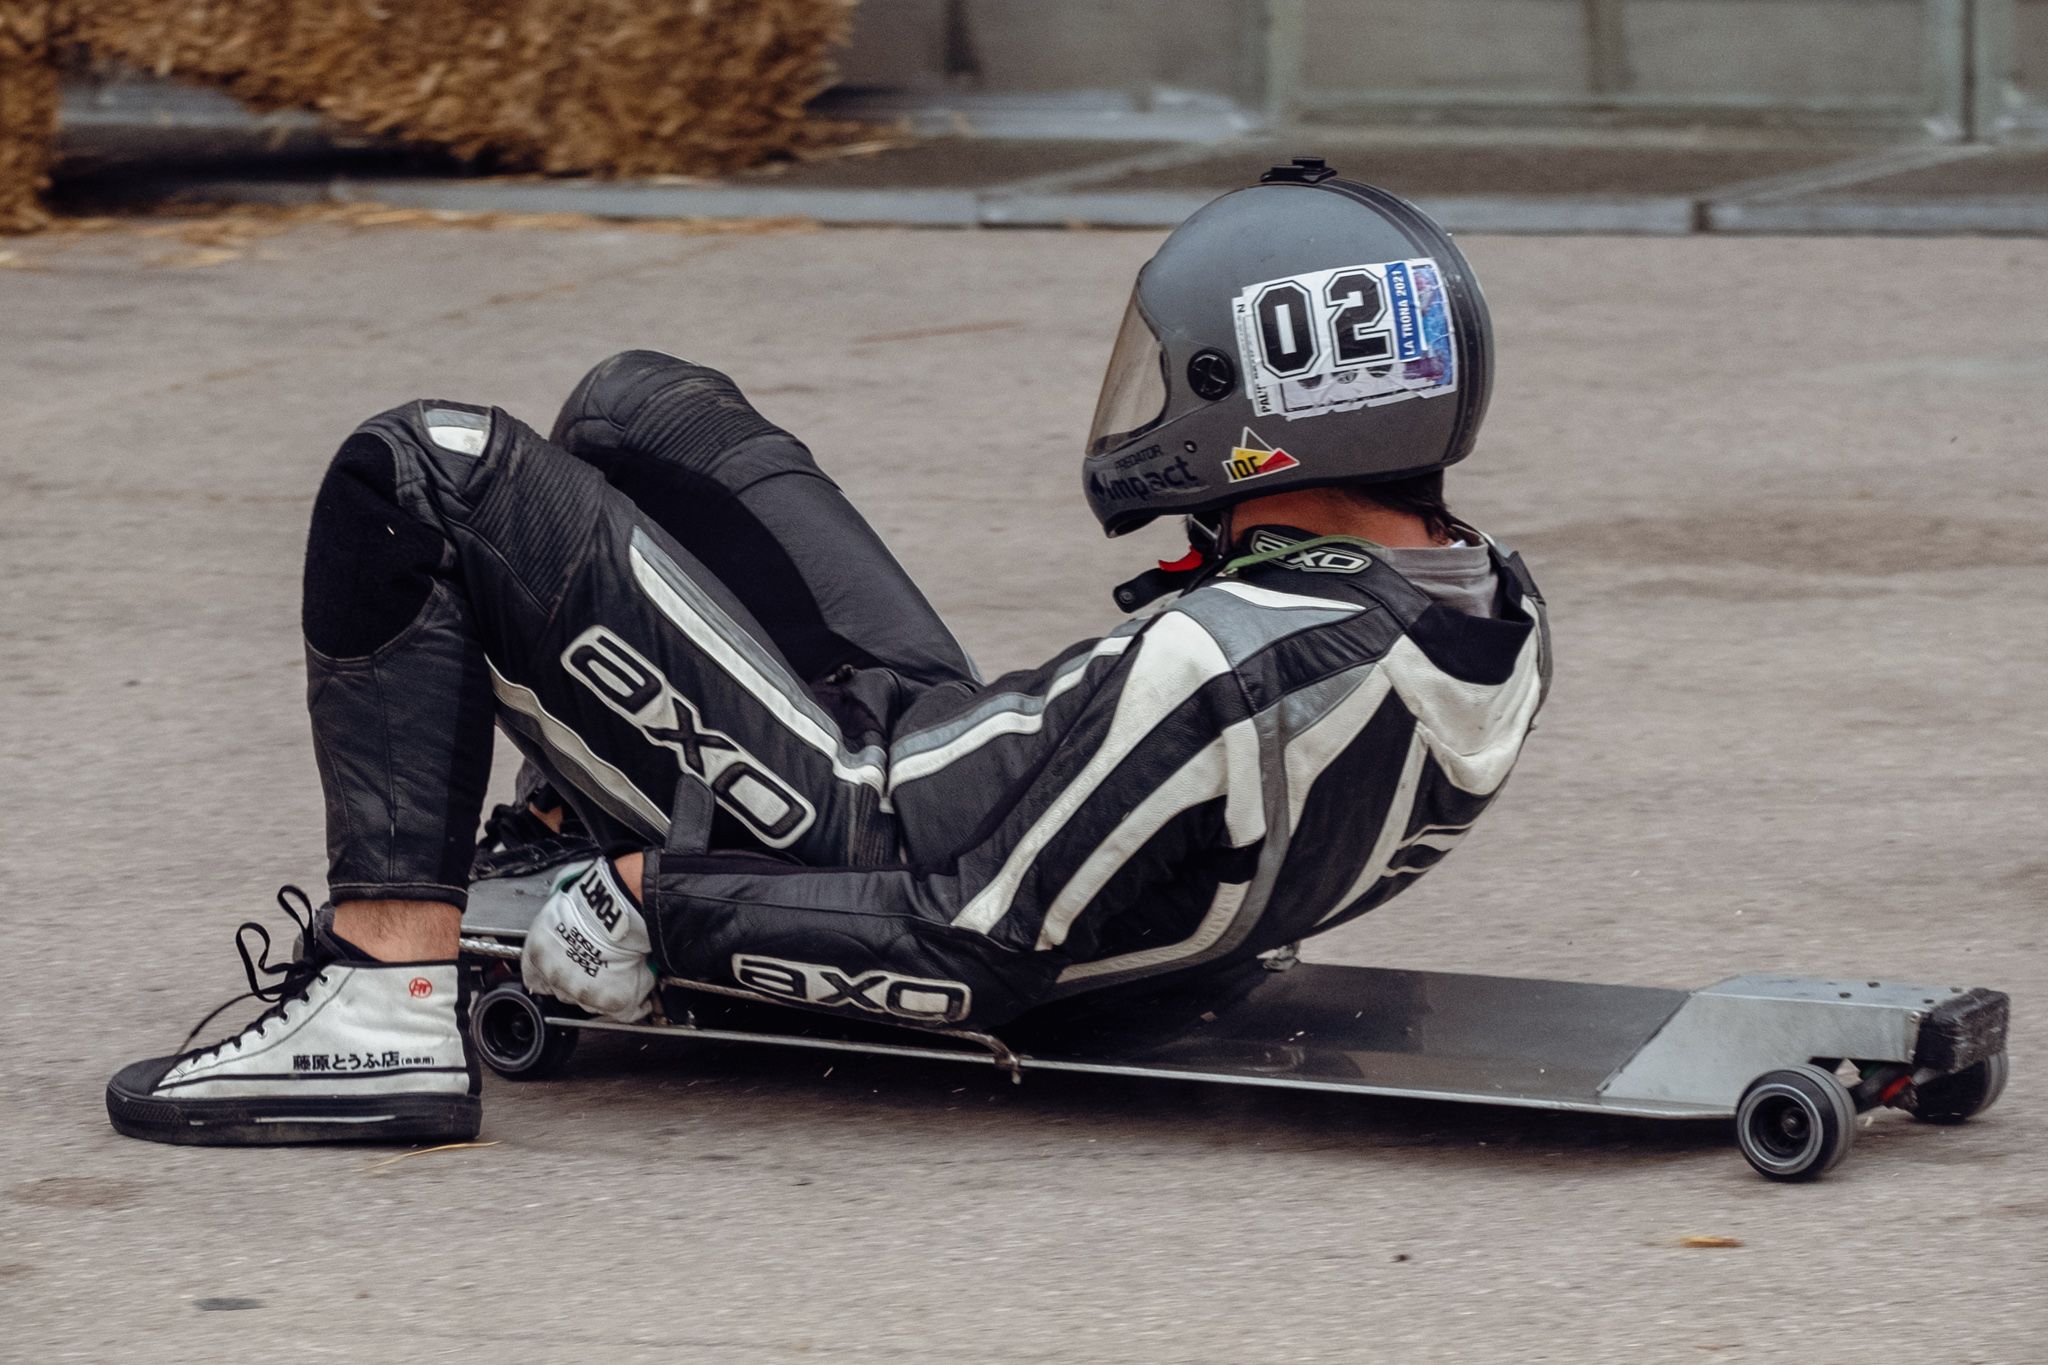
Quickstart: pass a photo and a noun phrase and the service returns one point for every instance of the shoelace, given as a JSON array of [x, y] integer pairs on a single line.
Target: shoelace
[[293, 977]]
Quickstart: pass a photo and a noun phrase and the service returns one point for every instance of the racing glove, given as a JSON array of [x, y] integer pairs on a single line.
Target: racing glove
[[589, 945]]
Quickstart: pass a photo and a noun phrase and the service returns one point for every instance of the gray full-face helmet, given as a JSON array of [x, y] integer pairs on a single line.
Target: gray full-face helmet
[[1303, 331]]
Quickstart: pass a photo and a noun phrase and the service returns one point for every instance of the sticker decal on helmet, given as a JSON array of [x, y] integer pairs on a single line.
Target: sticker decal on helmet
[[1253, 458], [1337, 340]]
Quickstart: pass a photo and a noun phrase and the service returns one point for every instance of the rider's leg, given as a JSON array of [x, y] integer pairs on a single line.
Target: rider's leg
[[401, 931], [749, 502], [606, 649], [481, 566], [397, 685], [365, 1038]]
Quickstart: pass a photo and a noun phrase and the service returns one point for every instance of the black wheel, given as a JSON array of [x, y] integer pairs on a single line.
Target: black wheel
[[1795, 1124], [1961, 1095], [513, 1037]]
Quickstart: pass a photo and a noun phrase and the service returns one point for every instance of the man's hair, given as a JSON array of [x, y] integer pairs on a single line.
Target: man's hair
[[1419, 495]]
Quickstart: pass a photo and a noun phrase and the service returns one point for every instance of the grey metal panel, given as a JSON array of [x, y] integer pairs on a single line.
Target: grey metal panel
[[1607, 44], [1215, 47], [1002, 45], [1109, 44], [1498, 1039], [2029, 64], [2010, 68], [1942, 64], [1806, 54], [1946, 73], [899, 44], [1896, 64], [1285, 40], [1729, 1034], [1447, 47]]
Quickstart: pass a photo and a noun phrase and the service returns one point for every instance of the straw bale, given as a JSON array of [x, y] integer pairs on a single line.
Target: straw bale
[[607, 87], [621, 87], [28, 110]]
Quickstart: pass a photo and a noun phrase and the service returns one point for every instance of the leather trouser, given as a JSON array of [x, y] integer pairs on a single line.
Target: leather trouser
[[667, 591]]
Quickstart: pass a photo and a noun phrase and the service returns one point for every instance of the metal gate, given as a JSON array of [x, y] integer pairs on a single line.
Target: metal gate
[[1946, 69]]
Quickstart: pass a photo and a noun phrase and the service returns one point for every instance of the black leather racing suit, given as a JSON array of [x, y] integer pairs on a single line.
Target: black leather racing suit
[[678, 618]]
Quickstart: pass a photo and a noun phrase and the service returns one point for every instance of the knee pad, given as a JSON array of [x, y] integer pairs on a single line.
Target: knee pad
[[605, 399], [370, 565], [643, 404]]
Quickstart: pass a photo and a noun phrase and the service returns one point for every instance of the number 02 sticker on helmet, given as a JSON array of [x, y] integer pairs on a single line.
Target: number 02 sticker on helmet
[[1334, 340]]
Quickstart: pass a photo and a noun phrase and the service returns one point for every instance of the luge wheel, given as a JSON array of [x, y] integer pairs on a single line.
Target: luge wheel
[[1961, 1095], [513, 1037], [1795, 1124]]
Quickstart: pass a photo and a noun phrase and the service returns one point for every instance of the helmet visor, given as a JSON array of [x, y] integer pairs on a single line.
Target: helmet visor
[[1134, 395]]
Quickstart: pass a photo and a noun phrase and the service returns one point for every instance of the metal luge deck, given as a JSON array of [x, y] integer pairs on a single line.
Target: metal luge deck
[[1643, 1051]]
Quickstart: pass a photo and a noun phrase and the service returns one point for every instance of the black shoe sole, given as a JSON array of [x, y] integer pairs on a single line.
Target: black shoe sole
[[283, 1122]]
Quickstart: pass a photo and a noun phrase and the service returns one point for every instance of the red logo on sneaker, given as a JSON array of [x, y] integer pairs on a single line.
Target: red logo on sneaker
[[420, 987]]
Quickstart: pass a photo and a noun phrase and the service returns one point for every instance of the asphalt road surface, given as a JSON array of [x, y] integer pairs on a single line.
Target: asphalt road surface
[[1787, 498]]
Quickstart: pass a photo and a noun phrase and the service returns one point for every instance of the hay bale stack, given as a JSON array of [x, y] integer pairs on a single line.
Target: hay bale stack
[[610, 87], [28, 110], [624, 87]]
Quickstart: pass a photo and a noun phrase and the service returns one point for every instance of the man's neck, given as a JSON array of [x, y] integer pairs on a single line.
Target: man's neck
[[1327, 512]]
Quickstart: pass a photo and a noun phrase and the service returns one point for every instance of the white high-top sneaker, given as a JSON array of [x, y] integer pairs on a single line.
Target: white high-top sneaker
[[350, 1050]]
